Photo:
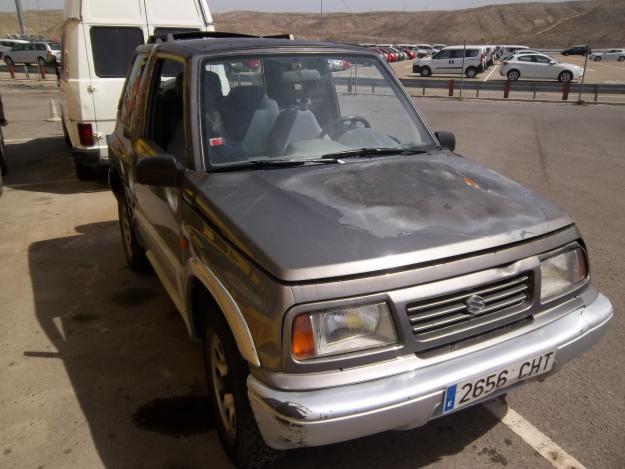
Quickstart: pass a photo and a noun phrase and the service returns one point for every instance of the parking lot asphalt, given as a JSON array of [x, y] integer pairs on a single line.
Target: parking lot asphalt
[[96, 369]]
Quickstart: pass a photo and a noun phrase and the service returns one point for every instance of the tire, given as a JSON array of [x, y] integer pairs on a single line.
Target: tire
[[621, 59], [598, 58], [513, 75], [227, 373], [41, 62], [134, 252], [420, 56], [9, 61], [4, 167], [471, 72], [426, 71], [565, 77]]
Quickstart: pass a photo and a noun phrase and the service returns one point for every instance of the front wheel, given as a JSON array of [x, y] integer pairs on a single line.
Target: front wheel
[[565, 77], [471, 72], [426, 71], [621, 59], [227, 374], [513, 75]]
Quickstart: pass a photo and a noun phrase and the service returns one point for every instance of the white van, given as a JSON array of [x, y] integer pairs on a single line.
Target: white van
[[449, 61], [99, 38]]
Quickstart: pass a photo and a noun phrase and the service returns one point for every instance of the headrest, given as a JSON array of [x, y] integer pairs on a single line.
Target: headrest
[[300, 76], [247, 97]]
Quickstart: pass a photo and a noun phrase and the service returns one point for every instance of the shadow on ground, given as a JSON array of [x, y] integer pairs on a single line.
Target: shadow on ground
[[45, 165], [139, 379]]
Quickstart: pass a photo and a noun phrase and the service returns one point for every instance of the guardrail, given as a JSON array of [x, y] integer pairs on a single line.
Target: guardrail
[[507, 86]]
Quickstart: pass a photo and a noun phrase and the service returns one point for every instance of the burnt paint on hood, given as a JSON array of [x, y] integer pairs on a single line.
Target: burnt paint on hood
[[316, 222]]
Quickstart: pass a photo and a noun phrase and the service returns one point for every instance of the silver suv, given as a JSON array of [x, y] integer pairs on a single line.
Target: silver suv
[[40, 53], [347, 272]]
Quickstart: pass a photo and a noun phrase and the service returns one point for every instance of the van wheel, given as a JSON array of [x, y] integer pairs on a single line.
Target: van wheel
[[471, 72], [135, 253], [41, 62], [565, 77], [9, 61], [426, 71], [513, 75], [227, 373]]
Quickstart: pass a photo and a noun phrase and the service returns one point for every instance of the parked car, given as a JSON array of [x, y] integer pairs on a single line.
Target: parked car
[[6, 44], [521, 52], [539, 66], [394, 55], [507, 49], [347, 272], [410, 53], [98, 41], [609, 54], [400, 55], [449, 61], [385, 54], [439, 46], [577, 50], [41, 53]]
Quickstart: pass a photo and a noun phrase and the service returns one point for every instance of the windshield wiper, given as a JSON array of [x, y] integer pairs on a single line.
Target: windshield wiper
[[372, 152], [274, 163]]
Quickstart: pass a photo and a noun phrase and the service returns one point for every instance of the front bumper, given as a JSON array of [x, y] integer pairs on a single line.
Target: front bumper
[[290, 419]]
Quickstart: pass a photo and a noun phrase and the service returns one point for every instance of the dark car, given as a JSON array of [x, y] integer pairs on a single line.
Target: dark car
[[347, 272], [577, 50]]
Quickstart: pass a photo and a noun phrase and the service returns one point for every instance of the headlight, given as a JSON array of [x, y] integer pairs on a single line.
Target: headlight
[[562, 272], [338, 331]]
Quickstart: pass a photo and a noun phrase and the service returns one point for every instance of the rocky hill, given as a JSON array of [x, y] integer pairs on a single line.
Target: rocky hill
[[537, 24]]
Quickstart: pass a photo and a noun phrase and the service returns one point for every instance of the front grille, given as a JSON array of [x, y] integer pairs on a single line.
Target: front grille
[[445, 319]]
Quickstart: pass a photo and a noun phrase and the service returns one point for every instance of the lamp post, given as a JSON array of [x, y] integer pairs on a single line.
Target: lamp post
[[20, 18]]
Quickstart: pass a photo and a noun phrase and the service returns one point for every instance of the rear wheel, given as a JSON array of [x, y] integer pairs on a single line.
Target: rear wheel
[[513, 75], [227, 374], [426, 71], [471, 72], [134, 252], [598, 58], [565, 77], [621, 59]]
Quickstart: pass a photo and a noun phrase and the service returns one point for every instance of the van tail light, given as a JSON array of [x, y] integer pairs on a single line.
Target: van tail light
[[85, 134]]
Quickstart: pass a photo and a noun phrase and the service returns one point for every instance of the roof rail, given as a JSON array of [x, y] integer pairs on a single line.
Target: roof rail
[[170, 37]]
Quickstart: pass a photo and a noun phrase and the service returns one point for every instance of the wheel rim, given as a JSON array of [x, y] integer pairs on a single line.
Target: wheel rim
[[219, 379], [513, 75], [126, 232], [566, 77]]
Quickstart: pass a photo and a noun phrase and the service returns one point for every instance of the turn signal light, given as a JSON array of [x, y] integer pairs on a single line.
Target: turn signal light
[[303, 340], [85, 134]]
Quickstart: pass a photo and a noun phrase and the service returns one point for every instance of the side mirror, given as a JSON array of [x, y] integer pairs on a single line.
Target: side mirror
[[160, 170], [446, 139]]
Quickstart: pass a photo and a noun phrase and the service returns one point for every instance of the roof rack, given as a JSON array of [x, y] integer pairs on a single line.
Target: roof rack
[[170, 37]]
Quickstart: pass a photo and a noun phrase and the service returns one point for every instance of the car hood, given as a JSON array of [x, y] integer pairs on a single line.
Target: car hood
[[314, 222]]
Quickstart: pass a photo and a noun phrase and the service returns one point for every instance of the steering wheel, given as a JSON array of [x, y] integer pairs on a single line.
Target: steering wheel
[[346, 128]]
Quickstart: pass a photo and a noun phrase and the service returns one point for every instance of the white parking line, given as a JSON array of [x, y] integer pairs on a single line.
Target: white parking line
[[532, 436], [491, 72]]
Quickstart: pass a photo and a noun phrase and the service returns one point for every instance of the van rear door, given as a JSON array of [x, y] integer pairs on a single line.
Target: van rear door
[[187, 15]]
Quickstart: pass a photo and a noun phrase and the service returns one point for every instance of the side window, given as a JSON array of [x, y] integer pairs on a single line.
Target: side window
[[40, 46], [541, 59], [112, 49], [444, 54], [457, 53], [471, 53], [131, 90], [524, 58], [30, 47], [166, 109]]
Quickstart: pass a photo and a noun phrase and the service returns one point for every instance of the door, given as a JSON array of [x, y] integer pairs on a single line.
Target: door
[[441, 62], [544, 67], [158, 209], [526, 66], [111, 48], [40, 51]]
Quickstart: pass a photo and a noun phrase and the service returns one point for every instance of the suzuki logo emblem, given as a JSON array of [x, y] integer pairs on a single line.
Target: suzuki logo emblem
[[475, 304]]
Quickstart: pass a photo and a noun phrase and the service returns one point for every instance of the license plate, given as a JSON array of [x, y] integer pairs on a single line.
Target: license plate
[[466, 392]]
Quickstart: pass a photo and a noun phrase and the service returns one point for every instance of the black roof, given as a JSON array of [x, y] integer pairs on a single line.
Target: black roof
[[189, 47]]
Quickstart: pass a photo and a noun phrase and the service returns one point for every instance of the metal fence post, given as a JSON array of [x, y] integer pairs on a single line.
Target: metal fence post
[[596, 93], [565, 91], [452, 85], [506, 89]]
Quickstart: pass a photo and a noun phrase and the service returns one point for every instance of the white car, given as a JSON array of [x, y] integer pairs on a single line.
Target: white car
[[449, 61], [539, 66], [522, 52], [507, 49], [610, 54]]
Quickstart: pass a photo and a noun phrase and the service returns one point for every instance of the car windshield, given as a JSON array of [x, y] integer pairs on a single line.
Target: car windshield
[[302, 107]]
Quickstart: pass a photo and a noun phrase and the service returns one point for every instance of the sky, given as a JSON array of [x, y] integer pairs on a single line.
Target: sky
[[301, 5]]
